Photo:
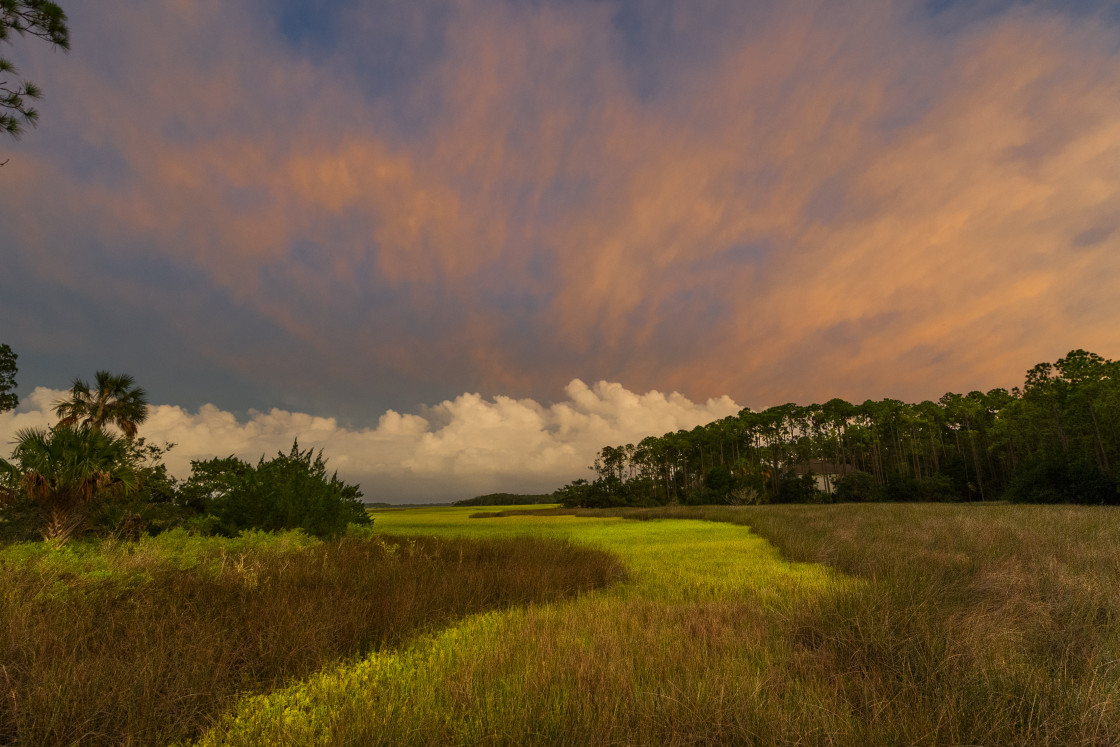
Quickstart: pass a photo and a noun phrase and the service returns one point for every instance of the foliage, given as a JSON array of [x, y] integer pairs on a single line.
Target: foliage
[[859, 487], [289, 491], [40, 18], [1057, 481], [115, 401], [21, 519], [67, 471], [8, 398], [506, 499], [797, 489], [1060, 426], [921, 489], [153, 507], [574, 494]]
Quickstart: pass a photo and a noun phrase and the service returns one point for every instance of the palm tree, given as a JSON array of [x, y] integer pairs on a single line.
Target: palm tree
[[64, 469], [116, 400]]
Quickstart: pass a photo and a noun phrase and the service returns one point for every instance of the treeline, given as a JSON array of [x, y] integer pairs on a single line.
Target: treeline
[[90, 474], [1055, 440], [506, 499]]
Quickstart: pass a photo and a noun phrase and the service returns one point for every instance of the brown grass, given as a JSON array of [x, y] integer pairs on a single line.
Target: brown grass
[[154, 656], [981, 624]]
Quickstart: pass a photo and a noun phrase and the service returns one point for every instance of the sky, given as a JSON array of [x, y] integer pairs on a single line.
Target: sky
[[462, 244]]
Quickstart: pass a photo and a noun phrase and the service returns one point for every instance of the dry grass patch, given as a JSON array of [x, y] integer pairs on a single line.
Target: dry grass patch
[[105, 648]]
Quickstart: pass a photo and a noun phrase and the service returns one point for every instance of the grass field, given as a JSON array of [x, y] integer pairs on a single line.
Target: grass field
[[686, 649], [953, 625], [149, 642], [848, 625]]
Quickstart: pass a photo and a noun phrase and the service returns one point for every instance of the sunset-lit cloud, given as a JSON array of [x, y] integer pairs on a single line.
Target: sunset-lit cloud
[[381, 207], [456, 449]]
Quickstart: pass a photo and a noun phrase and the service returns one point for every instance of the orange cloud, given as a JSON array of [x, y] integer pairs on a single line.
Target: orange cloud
[[833, 203]]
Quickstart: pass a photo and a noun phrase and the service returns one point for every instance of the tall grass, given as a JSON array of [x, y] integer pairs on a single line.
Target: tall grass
[[683, 652], [147, 644], [987, 624], [949, 625], [981, 624]]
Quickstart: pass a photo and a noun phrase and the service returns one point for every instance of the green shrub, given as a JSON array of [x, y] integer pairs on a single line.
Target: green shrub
[[937, 488], [1055, 480], [859, 487], [290, 491], [797, 489]]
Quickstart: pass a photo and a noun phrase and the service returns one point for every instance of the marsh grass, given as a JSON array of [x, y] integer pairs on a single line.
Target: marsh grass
[[981, 624], [990, 624], [147, 643], [943, 625], [681, 653]]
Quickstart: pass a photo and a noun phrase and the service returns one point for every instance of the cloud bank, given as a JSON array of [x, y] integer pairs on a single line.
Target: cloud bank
[[457, 449], [786, 201]]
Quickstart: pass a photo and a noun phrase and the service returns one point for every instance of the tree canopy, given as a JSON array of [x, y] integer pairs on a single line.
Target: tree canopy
[[290, 491], [64, 470], [8, 398], [116, 400], [40, 18], [1053, 440]]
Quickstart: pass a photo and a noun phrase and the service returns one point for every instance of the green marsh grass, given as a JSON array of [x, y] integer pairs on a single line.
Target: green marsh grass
[[682, 652], [878, 624], [148, 642]]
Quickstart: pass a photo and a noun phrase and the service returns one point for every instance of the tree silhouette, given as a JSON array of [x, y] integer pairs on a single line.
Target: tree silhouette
[[116, 400], [40, 18]]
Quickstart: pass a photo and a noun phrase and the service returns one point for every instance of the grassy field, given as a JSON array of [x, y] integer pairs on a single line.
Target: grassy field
[[149, 642], [848, 625], [931, 624], [688, 649]]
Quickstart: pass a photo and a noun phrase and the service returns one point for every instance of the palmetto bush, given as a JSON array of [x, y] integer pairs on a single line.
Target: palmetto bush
[[64, 472]]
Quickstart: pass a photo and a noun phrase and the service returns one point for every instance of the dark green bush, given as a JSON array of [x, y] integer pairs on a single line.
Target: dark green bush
[[1055, 480], [290, 491], [797, 489], [859, 487], [22, 520], [937, 488]]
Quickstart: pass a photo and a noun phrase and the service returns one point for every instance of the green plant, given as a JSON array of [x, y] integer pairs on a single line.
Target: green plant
[[8, 397], [67, 471], [289, 491], [859, 487], [109, 643], [116, 400]]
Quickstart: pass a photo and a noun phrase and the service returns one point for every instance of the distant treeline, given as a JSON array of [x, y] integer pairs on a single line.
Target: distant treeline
[[506, 499], [1055, 440]]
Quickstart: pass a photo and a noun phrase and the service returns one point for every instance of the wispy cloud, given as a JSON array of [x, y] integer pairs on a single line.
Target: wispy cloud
[[780, 203]]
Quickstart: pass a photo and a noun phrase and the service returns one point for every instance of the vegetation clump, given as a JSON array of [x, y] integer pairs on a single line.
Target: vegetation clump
[[1052, 441], [91, 474], [289, 491], [506, 499]]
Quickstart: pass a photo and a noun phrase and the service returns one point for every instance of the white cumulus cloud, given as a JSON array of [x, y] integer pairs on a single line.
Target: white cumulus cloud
[[461, 447]]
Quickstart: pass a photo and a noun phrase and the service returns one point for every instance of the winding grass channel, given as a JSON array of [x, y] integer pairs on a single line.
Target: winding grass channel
[[690, 648]]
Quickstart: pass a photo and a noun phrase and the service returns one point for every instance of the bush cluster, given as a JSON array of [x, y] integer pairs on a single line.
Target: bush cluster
[[290, 491], [222, 496]]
